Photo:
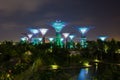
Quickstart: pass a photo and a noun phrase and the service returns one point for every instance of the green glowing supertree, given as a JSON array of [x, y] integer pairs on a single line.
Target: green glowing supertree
[[58, 26]]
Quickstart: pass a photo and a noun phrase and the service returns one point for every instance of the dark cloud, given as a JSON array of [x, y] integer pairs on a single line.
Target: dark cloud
[[17, 15]]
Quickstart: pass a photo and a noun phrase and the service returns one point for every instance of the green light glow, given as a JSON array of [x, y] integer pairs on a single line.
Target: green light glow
[[54, 66], [58, 25]]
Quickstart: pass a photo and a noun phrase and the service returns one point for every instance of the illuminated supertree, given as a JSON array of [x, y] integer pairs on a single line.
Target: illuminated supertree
[[71, 41], [29, 37], [43, 32], [104, 47], [24, 39], [58, 26], [83, 31], [36, 40], [34, 31], [51, 41], [66, 36], [102, 38], [40, 40]]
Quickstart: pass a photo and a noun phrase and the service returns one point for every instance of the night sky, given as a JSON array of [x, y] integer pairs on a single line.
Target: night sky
[[16, 16]]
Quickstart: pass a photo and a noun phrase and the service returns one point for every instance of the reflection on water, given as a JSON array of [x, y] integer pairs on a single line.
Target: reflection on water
[[99, 71], [83, 75]]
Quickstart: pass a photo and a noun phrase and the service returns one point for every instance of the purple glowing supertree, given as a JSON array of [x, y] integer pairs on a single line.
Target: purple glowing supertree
[[43, 32]]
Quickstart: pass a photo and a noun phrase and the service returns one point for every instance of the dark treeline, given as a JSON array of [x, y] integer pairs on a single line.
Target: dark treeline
[[17, 59]]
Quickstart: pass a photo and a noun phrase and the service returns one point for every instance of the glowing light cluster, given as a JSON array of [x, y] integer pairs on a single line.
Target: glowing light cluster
[[58, 25], [43, 31], [83, 30]]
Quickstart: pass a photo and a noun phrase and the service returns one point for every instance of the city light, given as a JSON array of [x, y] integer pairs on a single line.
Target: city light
[[43, 31]]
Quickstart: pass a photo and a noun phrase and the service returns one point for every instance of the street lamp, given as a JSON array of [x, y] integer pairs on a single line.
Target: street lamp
[[58, 26], [43, 32], [83, 31]]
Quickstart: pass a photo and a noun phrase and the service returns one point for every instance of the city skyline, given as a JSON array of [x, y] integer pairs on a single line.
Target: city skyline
[[17, 17]]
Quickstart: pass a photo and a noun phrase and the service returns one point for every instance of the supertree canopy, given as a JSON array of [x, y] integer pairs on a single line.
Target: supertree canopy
[[102, 38], [30, 36], [58, 25], [66, 35], [34, 31], [51, 39], [43, 31], [83, 30]]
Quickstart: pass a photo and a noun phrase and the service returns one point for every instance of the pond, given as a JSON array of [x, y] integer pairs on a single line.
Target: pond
[[98, 71]]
